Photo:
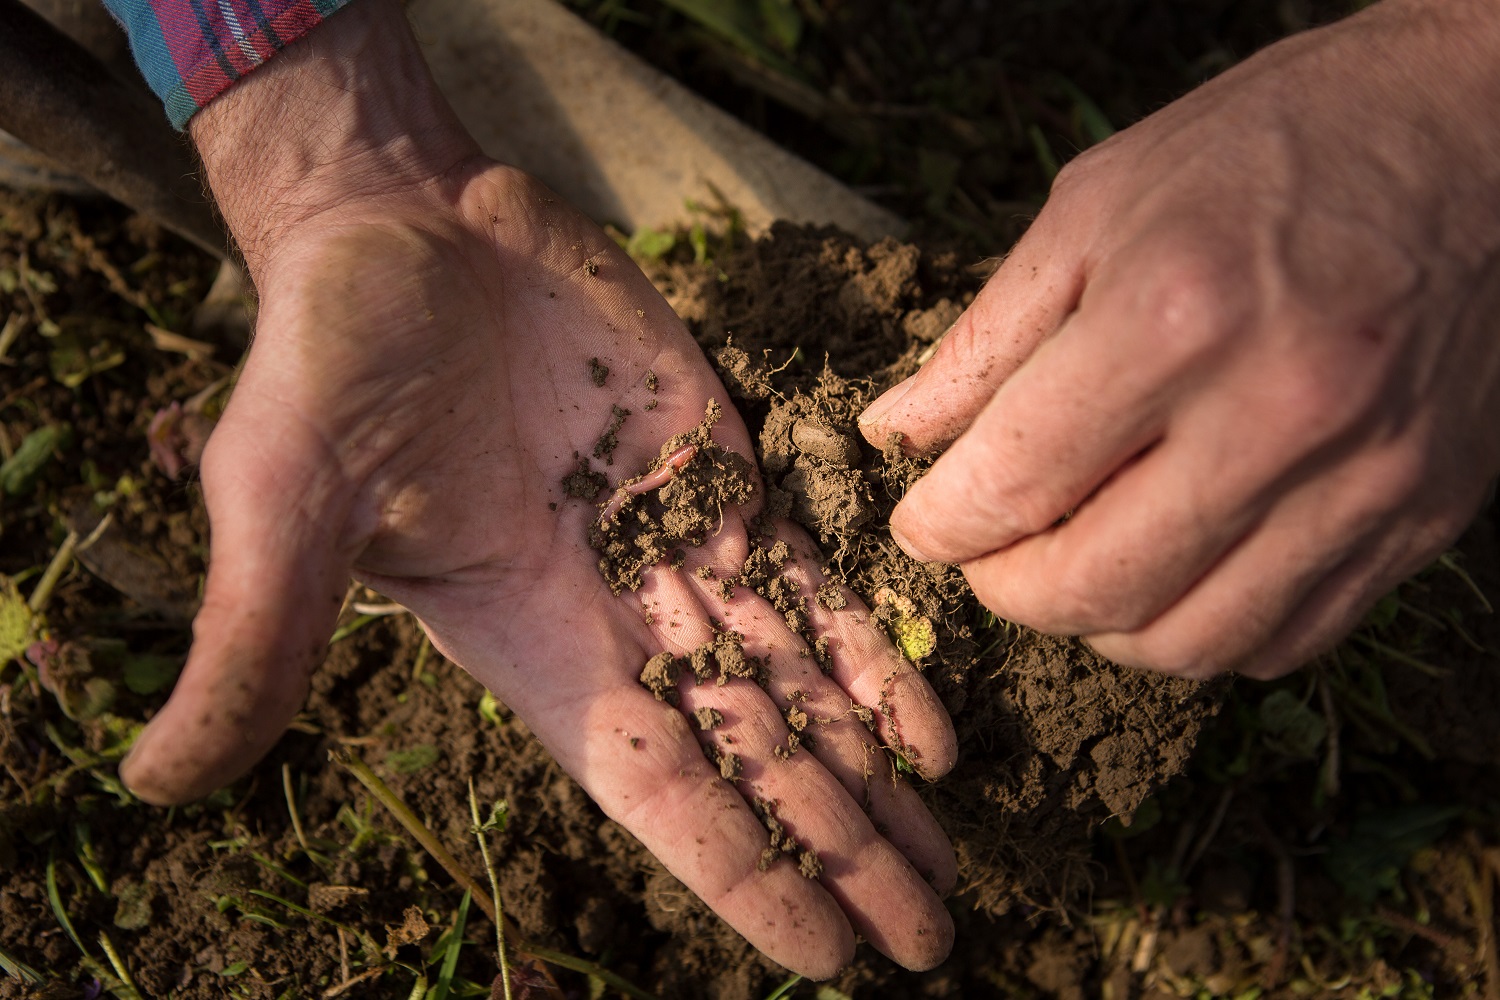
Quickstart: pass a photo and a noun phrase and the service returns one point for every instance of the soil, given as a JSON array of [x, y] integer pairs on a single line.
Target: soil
[[293, 882]]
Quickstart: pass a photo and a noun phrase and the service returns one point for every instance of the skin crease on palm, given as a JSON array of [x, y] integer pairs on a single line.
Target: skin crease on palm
[[1246, 349], [1242, 375], [418, 387]]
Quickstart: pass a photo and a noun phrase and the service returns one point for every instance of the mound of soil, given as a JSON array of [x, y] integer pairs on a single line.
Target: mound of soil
[[294, 883], [806, 327]]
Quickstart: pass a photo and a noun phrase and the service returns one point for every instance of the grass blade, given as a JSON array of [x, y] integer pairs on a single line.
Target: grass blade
[[583, 965], [127, 985], [351, 761], [455, 945], [55, 898], [344, 632], [17, 969], [735, 23], [784, 988], [408, 819], [55, 569], [489, 868]]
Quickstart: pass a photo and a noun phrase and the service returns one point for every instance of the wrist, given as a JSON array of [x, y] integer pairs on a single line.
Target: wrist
[[349, 112]]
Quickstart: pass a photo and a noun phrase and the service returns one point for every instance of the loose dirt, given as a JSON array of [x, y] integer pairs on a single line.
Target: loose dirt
[[806, 327]]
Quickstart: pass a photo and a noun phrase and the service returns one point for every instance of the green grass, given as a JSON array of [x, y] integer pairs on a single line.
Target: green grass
[[964, 140]]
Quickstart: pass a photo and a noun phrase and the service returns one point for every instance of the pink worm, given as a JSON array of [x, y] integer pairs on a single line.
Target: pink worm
[[656, 479]]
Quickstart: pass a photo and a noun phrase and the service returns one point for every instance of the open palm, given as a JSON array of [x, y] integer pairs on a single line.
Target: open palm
[[422, 381]]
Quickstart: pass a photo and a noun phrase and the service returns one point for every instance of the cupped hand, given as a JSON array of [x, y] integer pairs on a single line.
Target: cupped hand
[[421, 382], [1242, 374]]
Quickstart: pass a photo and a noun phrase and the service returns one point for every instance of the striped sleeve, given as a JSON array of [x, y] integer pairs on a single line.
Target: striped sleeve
[[191, 51]]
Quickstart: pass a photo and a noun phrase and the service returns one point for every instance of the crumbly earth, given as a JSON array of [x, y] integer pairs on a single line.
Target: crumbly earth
[[1055, 740], [213, 899]]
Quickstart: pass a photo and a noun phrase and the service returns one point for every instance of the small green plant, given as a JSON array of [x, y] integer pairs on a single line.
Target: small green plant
[[911, 631]]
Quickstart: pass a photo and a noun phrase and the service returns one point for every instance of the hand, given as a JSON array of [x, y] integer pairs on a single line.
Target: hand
[[1247, 350], [418, 389]]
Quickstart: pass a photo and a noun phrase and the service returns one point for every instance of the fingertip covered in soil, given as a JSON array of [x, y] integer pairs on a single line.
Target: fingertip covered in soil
[[1053, 741]]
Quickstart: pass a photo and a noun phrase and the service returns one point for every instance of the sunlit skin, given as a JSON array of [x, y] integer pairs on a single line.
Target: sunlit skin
[[418, 388], [1241, 375], [1249, 348]]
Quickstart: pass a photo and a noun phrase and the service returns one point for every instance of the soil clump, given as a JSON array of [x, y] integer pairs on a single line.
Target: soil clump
[[806, 326]]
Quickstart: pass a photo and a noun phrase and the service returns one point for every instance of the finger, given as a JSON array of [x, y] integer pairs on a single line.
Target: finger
[[1086, 401], [821, 717], [752, 740], [1142, 540], [1026, 300], [275, 585], [1337, 604], [1328, 613], [886, 900], [1274, 595], [641, 763], [864, 662]]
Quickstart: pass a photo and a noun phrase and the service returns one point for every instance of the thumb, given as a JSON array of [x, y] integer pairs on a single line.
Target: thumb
[[275, 585], [1027, 299]]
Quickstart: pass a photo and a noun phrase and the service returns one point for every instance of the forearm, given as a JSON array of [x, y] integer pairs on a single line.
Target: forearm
[[350, 111]]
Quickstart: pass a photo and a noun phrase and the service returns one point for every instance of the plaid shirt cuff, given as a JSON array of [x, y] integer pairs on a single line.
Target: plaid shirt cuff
[[191, 51]]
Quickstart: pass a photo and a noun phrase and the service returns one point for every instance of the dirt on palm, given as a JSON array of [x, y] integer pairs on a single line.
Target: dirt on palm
[[293, 880]]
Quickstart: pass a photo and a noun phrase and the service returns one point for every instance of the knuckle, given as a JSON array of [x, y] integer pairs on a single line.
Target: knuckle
[[1083, 171], [1189, 302], [1311, 404], [965, 345]]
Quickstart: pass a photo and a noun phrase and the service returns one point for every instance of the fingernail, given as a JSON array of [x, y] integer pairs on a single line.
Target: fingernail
[[887, 401], [129, 764], [908, 547]]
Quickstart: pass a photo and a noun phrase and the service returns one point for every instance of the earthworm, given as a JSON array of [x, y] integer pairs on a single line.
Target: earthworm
[[652, 481]]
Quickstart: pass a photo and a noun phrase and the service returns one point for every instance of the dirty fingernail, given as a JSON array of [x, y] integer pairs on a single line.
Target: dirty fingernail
[[887, 401]]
